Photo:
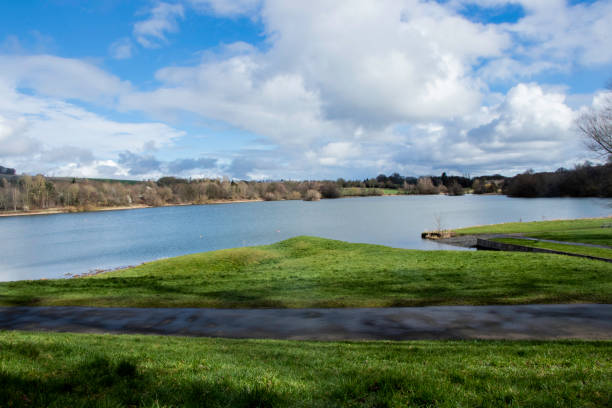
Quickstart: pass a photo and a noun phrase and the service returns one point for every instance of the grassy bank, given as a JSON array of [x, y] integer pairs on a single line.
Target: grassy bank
[[572, 249], [589, 230], [316, 272], [45, 369]]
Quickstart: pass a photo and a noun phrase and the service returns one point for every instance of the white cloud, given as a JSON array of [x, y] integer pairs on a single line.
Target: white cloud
[[121, 49], [338, 153], [63, 78], [334, 68], [225, 7], [340, 78], [553, 36], [40, 133], [531, 127], [236, 91], [151, 32], [13, 141], [355, 86]]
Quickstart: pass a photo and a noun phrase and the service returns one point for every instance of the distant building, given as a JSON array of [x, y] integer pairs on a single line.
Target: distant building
[[6, 170]]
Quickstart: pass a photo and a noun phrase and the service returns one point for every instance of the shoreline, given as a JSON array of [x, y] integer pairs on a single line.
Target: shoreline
[[73, 210]]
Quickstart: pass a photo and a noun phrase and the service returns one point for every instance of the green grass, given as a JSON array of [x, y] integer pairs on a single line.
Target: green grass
[[360, 192], [316, 272], [597, 236], [573, 249], [77, 370], [586, 226]]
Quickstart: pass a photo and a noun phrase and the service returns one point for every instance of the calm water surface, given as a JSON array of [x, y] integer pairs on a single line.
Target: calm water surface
[[52, 246]]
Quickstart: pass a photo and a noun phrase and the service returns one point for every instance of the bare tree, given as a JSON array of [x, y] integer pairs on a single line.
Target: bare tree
[[596, 126]]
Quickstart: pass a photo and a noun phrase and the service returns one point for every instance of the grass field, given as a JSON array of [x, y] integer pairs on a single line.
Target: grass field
[[589, 230], [596, 235], [74, 370], [316, 272], [572, 249], [360, 192]]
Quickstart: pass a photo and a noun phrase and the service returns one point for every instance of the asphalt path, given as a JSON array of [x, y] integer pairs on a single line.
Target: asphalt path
[[542, 322]]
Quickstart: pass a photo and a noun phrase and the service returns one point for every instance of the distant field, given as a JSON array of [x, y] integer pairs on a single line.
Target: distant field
[[317, 272], [360, 192], [74, 370]]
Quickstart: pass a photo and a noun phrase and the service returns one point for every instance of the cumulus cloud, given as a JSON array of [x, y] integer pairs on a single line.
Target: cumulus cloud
[[531, 127], [334, 68], [164, 18], [277, 106], [43, 133], [340, 88]]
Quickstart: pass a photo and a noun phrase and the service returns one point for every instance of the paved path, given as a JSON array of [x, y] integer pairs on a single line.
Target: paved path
[[584, 321]]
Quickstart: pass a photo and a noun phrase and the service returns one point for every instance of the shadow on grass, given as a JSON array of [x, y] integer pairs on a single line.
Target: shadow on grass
[[100, 381], [274, 374]]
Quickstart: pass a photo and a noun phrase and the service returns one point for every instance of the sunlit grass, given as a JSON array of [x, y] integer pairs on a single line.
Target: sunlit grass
[[316, 272], [72, 370], [570, 229], [572, 249]]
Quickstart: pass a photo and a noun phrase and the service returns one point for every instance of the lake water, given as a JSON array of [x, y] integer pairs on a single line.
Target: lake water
[[51, 246]]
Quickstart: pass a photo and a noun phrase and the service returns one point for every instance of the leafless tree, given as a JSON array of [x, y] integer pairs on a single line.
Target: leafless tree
[[596, 126]]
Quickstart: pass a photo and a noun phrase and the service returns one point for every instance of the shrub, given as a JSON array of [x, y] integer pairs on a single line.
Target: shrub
[[455, 189], [330, 190], [312, 195], [426, 186]]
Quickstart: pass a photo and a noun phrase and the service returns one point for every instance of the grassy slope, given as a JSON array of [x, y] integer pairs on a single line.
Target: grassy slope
[[597, 236], [316, 272], [573, 249], [588, 231], [43, 369]]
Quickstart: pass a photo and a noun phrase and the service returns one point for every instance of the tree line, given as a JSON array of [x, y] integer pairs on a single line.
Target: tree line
[[585, 180], [25, 192]]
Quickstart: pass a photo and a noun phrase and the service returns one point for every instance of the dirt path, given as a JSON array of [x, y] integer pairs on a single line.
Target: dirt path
[[574, 321]]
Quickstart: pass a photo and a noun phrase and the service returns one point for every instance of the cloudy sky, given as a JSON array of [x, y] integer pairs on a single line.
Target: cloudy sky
[[270, 89]]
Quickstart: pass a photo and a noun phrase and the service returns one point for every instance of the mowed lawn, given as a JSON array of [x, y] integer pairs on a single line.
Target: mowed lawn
[[316, 272], [75, 370], [572, 249], [596, 231]]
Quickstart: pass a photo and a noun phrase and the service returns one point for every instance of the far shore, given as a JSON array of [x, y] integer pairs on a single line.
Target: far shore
[[69, 210]]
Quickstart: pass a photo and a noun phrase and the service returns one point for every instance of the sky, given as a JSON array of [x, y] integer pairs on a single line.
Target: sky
[[318, 89]]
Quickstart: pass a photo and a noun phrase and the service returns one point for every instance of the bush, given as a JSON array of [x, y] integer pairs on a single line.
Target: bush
[[312, 195], [330, 190], [455, 189], [426, 186]]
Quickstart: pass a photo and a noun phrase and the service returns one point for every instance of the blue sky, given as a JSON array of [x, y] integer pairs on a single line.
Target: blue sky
[[270, 89]]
